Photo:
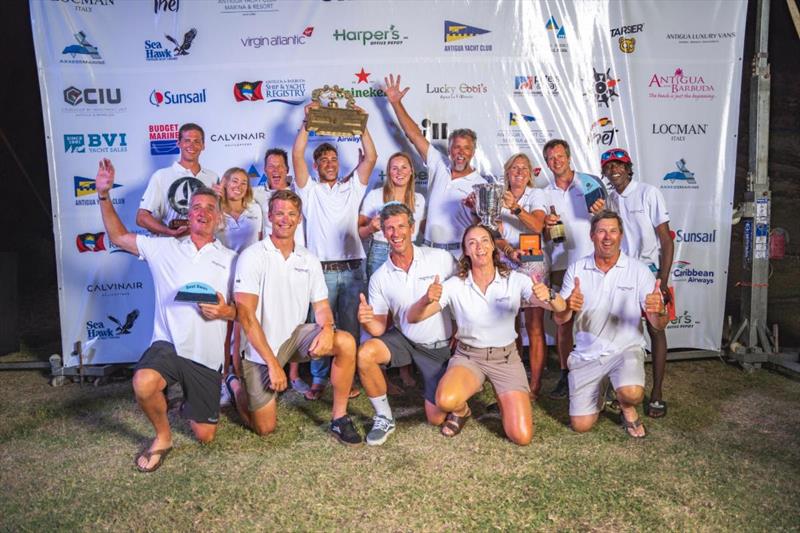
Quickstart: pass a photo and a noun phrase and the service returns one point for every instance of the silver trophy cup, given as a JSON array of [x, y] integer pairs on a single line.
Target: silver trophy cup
[[488, 202]]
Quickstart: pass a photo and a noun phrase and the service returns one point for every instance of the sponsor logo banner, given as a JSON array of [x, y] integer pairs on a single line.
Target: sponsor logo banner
[[289, 91], [677, 131], [457, 31], [90, 242], [231, 139], [271, 41], [390, 36], [536, 85], [163, 139], [159, 98], [246, 7], [81, 52], [683, 178], [92, 101], [623, 37], [86, 187], [700, 37], [602, 132], [111, 327], [522, 131], [176, 47], [460, 91], [680, 85], [684, 272], [606, 87], [695, 237], [85, 6], [80, 143]]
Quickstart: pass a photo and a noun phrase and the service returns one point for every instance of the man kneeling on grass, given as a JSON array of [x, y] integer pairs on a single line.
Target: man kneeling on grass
[[608, 291], [276, 280], [188, 343]]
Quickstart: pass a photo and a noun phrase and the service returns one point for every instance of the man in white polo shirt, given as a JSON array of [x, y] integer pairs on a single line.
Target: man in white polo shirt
[[448, 184], [276, 280], [165, 202], [607, 291], [393, 288], [330, 208], [647, 238], [276, 168], [188, 342], [564, 191]]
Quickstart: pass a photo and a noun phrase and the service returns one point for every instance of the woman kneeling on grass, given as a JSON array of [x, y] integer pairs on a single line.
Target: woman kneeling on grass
[[484, 298]]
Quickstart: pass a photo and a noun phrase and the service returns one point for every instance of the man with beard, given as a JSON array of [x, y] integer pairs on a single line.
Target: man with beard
[[606, 293], [448, 185], [330, 207], [647, 238], [165, 202], [394, 288], [188, 342]]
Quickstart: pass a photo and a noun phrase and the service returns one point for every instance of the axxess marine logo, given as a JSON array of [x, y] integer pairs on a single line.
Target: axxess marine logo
[[158, 98], [180, 193], [87, 51], [97, 143], [603, 132], [163, 139], [277, 40], [388, 37], [290, 91], [156, 51], [682, 271], [679, 132], [87, 187], [238, 138], [461, 91], [74, 96], [457, 31], [683, 321], [605, 87], [119, 288], [700, 37], [90, 242], [98, 329], [683, 178], [699, 237], [536, 85], [680, 85]]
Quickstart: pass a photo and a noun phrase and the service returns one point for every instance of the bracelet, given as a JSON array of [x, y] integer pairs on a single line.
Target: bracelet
[[102, 198]]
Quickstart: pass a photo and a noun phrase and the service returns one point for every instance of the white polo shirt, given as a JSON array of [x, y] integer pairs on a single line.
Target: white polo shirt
[[571, 207], [532, 199], [642, 208], [240, 233], [447, 216], [332, 218], [169, 187], [487, 320], [262, 195], [611, 318], [285, 288], [174, 263], [373, 203], [393, 289]]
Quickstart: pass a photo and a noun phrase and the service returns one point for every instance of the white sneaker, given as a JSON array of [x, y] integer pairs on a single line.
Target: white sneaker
[[224, 397]]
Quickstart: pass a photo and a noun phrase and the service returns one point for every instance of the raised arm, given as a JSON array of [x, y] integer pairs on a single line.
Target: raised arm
[[428, 305], [368, 158], [395, 96], [117, 232], [299, 164]]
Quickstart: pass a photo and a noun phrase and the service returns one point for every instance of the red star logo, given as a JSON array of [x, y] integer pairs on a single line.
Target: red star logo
[[363, 77]]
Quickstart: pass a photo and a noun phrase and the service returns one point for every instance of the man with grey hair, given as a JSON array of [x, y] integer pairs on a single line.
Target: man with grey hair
[[394, 287], [448, 185]]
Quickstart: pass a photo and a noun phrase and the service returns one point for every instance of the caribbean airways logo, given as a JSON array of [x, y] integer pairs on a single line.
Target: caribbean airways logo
[[272, 41], [458, 31], [684, 272], [82, 52], [288, 91]]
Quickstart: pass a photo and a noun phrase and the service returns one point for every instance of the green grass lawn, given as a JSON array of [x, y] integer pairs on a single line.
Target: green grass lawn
[[727, 457]]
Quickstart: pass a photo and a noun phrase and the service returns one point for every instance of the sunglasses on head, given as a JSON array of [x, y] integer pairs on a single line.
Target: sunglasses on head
[[616, 154]]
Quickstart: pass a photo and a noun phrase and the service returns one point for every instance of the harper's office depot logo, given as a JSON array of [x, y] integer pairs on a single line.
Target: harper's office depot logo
[[159, 98], [82, 51], [683, 271], [277, 40], [458, 31], [163, 139], [80, 143], [680, 85], [390, 36]]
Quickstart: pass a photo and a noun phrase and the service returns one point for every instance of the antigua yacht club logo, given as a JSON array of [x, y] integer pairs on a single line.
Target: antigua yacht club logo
[[83, 52], [85, 191], [458, 31]]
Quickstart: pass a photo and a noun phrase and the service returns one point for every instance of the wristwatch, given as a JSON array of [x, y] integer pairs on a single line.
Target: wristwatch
[[516, 211]]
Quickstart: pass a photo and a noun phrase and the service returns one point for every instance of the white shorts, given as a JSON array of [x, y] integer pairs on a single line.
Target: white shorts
[[625, 368]]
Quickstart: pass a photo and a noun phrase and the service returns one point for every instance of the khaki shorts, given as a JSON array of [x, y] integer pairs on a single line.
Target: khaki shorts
[[501, 366], [624, 368], [256, 375]]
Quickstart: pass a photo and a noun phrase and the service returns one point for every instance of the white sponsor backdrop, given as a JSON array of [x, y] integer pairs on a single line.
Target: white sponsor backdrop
[[658, 78]]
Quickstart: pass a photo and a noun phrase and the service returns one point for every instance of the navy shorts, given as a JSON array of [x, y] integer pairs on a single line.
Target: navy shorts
[[201, 385], [432, 362]]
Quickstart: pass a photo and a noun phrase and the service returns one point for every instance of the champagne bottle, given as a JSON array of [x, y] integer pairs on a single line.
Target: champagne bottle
[[557, 233]]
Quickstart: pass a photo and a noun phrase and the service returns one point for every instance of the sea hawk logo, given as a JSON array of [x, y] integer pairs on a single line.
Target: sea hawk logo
[[125, 329], [183, 48]]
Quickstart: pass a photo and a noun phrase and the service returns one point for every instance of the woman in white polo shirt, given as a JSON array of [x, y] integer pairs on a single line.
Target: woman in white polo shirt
[[242, 227], [484, 298], [523, 212], [398, 186]]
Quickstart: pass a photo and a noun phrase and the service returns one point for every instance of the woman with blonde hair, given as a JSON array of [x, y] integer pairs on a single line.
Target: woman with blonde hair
[[523, 212]]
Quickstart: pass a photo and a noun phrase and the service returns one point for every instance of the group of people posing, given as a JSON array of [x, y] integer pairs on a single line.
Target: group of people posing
[[294, 284]]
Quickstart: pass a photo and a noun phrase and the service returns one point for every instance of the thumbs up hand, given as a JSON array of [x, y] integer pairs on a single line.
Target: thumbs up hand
[[575, 300], [434, 290], [540, 290], [654, 303], [365, 312]]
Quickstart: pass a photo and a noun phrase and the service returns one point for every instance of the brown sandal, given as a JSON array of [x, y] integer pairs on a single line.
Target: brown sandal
[[454, 424], [147, 454]]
